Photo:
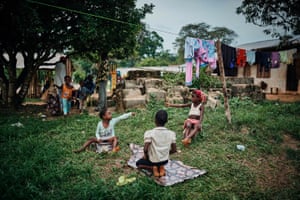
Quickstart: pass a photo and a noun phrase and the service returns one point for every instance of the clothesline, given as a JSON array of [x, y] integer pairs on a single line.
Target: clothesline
[[204, 54]]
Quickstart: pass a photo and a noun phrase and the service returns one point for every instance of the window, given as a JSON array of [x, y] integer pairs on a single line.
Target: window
[[263, 72]]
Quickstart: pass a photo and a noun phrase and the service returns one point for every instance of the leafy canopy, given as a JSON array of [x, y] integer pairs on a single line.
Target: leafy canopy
[[276, 13], [38, 29], [150, 43]]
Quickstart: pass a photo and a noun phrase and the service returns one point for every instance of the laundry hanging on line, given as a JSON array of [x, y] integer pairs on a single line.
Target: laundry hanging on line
[[204, 54]]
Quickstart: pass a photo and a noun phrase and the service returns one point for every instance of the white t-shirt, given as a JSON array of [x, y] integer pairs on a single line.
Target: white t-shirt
[[109, 132], [161, 139], [60, 73]]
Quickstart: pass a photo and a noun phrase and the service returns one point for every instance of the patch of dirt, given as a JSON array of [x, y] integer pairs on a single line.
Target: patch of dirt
[[275, 171], [290, 142], [38, 109]]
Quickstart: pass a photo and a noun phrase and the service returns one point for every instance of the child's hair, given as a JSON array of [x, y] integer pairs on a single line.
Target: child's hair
[[200, 95], [102, 113], [67, 76], [161, 117]]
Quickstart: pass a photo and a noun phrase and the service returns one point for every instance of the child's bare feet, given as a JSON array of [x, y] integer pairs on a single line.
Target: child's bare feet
[[186, 141], [116, 149], [155, 171], [162, 171]]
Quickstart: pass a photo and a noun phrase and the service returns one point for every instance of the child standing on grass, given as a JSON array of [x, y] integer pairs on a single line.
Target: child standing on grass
[[193, 124], [66, 95], [159, 143], [105, 131], [82, 96]]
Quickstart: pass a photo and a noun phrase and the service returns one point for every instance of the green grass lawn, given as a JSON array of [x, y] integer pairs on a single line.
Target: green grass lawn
[[37, 161]]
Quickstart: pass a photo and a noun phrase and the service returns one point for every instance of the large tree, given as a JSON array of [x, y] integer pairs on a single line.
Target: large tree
[[40, 29], [282, 14], [150, 44], [203, 31]]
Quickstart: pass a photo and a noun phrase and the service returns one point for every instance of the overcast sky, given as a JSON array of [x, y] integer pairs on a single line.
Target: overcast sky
[[172, 15]]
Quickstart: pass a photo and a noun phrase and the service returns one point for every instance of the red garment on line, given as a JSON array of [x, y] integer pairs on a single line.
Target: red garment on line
[[241, 57]]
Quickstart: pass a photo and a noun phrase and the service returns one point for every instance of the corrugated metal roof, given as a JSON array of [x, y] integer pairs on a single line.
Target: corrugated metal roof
[[268, 44]]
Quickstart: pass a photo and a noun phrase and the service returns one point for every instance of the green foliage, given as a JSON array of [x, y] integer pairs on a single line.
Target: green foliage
[[41, 29], [37, 161], [282, 14], [152, 62], [150, 43], [174, 78], [164, 58], [79, 75], [206, 81]]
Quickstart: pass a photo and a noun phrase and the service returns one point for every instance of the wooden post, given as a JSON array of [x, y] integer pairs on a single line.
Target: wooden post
[[222, 74]]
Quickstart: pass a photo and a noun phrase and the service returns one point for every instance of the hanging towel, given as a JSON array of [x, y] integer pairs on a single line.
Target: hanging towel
[[188, 72], [229, 56], [263, 59], [190, 45], [250, 57], [275, 59], [283, 57], [208, 57], [241, 57]]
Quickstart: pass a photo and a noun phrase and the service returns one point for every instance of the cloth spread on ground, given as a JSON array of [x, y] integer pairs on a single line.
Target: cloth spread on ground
[[176, 171]]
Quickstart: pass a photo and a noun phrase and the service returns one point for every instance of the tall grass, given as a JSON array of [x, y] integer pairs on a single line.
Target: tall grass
[[37, 161]]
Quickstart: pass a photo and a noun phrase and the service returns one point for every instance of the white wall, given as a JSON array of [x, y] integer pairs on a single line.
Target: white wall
[[277, 78]]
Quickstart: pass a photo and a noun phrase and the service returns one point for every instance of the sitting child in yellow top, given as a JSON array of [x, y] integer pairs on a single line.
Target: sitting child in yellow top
[[193, 124]]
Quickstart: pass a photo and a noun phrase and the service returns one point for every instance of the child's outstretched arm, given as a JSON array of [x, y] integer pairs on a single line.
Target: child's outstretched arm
[[178, 105], [124, 116]]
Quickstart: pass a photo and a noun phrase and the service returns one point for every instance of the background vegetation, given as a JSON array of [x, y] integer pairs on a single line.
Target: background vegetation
[[37, 161]]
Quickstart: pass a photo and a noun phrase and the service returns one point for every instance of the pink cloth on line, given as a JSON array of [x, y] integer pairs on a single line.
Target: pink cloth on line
[[188, 73]]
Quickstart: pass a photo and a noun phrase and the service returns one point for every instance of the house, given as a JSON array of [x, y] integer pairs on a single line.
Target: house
[[281, 83], [45, 71]]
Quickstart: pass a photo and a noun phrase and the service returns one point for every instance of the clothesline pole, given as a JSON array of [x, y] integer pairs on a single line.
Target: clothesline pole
[[223, 80]]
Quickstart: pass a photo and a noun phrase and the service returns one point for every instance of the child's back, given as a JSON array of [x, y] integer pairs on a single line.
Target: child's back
[[161, 139], [158, 144]]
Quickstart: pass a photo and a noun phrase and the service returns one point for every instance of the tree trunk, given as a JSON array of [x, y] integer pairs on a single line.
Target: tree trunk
[[12, 69], [3, 86], [24, 87], [30, 69]]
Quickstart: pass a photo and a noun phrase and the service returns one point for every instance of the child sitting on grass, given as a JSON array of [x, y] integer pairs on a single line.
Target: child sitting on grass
[[158, 144], [106, 130], [193, 124]]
